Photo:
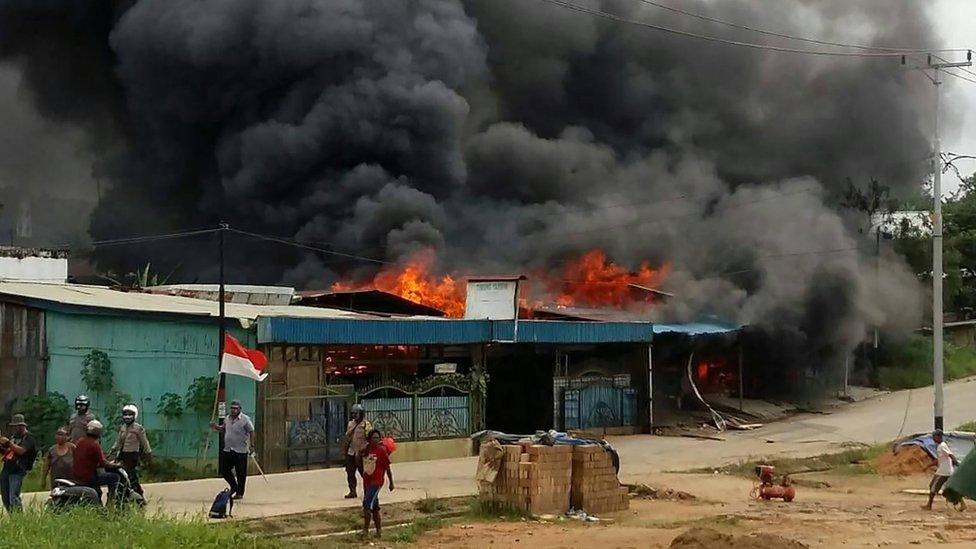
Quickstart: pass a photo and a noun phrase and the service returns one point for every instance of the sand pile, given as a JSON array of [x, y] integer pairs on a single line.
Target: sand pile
[[904, 460], [706, 538]]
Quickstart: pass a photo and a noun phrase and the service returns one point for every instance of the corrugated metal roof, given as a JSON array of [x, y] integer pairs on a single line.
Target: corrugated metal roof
[[558, 331], [696, 328], [420, 331], [405, 331], [102, 299]]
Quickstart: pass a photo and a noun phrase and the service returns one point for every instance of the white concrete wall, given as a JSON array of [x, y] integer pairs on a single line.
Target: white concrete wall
[[45, 269]]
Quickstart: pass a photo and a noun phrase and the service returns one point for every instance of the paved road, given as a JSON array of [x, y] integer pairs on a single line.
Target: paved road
[[872, 421]]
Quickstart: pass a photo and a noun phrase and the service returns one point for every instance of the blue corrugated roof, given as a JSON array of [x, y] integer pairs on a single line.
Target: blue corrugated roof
[[696, 328], [560, 331], [454, 332], [372, 332]]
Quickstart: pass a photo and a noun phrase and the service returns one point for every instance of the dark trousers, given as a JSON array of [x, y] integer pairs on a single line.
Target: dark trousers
[[231, 463], [105, 478], [10, 484], [130, 462], [353, 464]]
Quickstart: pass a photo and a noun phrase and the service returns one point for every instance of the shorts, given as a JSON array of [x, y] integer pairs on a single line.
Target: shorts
[[936, 484], [371, 498]]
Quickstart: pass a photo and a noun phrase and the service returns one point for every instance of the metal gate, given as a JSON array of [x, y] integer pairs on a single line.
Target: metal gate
[[599, 405], [304, 426]]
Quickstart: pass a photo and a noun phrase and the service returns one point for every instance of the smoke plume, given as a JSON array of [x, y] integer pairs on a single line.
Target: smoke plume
[[507, 135]]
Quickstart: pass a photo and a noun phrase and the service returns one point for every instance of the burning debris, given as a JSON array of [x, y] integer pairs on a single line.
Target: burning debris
[[590, 280], [507, 136]]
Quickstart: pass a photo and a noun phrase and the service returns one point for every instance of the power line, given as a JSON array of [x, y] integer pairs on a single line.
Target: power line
[[797, 38], [707, 38], [302, 245], [144, 238]]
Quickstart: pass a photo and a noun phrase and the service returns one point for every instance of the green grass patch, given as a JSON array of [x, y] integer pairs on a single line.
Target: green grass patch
[[430, 506], [411, 532], [87, 527], [488, 511], [909, 364], [969, 427], [852, 461]]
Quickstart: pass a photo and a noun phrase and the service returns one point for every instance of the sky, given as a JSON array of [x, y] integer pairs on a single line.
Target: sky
[[956, 19]]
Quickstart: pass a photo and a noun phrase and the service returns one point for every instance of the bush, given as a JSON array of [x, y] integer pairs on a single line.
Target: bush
[[85, 527], [909, 364], [44, 414]]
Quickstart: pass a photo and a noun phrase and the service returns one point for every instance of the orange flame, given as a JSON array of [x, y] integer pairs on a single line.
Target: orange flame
[[593, 281], [589, 281], [415, 281]]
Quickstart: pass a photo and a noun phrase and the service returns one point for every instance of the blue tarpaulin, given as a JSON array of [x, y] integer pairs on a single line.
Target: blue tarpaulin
[[960, 443]]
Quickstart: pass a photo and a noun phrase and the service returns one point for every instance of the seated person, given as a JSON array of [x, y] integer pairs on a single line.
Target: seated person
[[88, 458]]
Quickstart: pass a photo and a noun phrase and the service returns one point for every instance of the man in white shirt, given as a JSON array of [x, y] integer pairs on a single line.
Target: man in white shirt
[[947, 465]]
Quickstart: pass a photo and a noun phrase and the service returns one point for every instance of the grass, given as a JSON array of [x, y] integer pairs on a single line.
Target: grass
[[853, 461], [88, 527], [411, 532], [911, 364], [487, 511], [429, 505], [969, 427]]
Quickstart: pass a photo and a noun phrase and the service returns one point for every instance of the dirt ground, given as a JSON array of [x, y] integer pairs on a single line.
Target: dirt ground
[[830, 510]]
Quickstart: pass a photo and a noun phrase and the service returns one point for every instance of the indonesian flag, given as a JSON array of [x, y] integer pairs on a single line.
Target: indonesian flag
[[241, 361]]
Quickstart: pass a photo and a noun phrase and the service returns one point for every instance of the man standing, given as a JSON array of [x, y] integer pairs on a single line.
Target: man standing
[[78, 424], [88, 458], [376, 464], [19, 452], [947, 464], [355, 442], [131, 445], [238, 441]]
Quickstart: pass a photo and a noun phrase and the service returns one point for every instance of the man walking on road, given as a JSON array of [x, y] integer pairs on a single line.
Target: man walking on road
[[355, 442], [19, 452], [376, 465], [947, 465], [238, 441]]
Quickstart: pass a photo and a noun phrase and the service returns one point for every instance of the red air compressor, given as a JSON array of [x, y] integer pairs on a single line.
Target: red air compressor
[[768, 489]]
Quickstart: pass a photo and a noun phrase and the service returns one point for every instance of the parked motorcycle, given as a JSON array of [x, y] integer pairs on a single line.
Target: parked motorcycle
[[67, 493]]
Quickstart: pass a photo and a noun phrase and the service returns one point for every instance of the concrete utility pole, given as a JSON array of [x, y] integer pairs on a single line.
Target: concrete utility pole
[[937, 335]]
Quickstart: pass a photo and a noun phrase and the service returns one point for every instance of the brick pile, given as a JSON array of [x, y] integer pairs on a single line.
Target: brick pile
[[595, 487], [533, 478]]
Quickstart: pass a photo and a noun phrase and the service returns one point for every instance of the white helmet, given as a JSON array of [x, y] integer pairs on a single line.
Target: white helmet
[[95, 427], [130, 408]]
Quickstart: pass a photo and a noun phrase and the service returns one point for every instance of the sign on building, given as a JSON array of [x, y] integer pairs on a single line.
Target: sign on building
[[492, 298]]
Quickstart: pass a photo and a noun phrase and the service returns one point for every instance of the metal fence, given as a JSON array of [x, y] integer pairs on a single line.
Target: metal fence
[[417, 417]]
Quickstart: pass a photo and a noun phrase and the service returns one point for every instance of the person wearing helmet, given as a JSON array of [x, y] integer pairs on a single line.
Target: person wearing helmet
[[354, 443], [89, 458], [131, 445], [78, 424]]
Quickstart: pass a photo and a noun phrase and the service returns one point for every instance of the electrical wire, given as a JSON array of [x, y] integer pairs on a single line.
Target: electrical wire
[[707, 38], [799, 38], [302, 245], [144, 238]]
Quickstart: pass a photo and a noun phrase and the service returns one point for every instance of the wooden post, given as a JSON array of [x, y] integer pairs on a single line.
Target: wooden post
[[650, 388], [741, 380]]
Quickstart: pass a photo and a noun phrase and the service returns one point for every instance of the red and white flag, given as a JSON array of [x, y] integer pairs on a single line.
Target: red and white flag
[[238, 360]]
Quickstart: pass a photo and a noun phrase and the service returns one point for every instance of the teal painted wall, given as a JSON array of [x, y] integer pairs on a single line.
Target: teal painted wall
[[149, 358]]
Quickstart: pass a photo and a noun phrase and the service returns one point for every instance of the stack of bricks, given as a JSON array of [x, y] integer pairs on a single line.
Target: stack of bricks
[[532, 478], [596, 488]]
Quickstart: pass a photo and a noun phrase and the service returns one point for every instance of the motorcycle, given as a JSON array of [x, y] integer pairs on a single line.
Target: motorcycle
[[67, 493]]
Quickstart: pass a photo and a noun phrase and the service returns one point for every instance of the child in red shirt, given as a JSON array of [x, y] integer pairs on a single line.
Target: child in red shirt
[[376, 463]]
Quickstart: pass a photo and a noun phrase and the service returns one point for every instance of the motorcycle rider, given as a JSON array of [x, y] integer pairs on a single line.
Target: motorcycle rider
[[78, 424], [89, 458], [131, 445]]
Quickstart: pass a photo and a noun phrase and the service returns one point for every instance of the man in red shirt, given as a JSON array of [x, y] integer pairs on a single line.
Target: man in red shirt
[[376, 463], [88, 458]]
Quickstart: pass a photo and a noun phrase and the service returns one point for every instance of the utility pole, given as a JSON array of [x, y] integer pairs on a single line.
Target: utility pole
[[221, 314], [937, 335]]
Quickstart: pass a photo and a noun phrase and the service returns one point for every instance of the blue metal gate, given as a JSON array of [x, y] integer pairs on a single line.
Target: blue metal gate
[[599, 405]]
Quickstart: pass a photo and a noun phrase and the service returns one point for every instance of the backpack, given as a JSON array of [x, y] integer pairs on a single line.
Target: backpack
[[223, 505]]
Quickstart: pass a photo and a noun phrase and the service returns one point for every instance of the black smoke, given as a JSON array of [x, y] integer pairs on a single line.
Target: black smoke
[[504, 134]]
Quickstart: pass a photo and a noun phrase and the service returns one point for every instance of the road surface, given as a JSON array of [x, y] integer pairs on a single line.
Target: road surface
[[871, 421]]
